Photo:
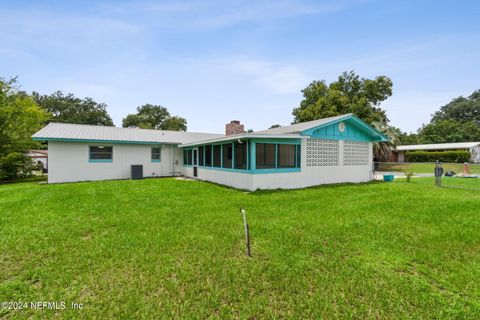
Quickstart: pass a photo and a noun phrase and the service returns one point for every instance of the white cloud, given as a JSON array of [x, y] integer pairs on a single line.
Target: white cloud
[[272, 76]]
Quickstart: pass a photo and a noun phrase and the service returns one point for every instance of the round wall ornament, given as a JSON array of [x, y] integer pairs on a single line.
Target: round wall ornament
[[341, 127]]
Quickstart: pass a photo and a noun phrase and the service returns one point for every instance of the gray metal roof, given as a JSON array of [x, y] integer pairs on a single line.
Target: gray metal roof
[[79, 132], [299, 127], [438, 146], [240, 136]]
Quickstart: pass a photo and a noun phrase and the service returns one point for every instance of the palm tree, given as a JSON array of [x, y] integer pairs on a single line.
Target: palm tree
[[382, 150]]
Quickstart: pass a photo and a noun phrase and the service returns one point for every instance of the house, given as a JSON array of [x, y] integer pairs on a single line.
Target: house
[[472, 147], [39, 156], [330, 150]]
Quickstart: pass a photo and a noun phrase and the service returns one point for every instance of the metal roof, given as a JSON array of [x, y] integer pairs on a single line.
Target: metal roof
[[438, 146], [241, 136], [299, 127], [81, 132]]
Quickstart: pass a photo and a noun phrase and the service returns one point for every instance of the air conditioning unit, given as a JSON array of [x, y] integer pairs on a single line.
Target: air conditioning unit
[[137, 171]]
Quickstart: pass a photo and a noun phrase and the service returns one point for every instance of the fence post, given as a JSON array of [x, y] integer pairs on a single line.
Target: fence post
[[247, 231], [438, 174]]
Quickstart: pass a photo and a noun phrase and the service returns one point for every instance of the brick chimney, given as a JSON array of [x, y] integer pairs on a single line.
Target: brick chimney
[[234, 127]]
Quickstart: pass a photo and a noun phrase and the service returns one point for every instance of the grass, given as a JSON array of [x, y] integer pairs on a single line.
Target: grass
[[166, 248], [426, 167]]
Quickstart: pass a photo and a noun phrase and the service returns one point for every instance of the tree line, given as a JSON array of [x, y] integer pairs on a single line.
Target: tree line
[[22, 114], [457, 121]]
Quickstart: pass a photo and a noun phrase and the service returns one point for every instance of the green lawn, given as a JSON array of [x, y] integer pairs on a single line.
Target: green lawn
[[166, 248], [426, 167]]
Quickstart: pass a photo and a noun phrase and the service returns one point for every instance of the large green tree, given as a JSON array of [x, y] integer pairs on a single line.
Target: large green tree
[[70, 109], [151, 116], [457, 121], [461, 109], [349, 94], [448, 130], [20, 117]]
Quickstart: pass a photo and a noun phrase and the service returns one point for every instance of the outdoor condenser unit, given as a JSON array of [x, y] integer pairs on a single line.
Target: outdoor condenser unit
[[137, 171]]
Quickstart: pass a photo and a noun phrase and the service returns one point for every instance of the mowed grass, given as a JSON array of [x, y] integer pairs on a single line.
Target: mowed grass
[[166, 248], [426, 167]]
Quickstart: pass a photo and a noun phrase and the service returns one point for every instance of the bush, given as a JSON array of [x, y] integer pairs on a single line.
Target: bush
[[442, 156], [15, 165]]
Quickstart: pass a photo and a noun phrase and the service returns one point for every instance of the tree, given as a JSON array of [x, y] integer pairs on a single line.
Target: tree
[[349, 94], [408, 138], [461, 109], [274, 126], [70, 109], [457, 121], [444, 131], [151, 116], [20, 117], [382, 150]]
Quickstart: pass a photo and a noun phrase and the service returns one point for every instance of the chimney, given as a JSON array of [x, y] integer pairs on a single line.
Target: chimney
[[234, 127]]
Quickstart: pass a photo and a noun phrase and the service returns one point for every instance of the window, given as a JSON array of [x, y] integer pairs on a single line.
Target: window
[[208, 156], [265, 156], [189, 157], [217, 158], [101, 154], [286, 156], [156, 154], [201, 150], [240, 155], [227, 155], [195, 157]]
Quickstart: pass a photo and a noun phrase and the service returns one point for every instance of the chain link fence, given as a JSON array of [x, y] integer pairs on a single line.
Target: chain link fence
[[454, 175]]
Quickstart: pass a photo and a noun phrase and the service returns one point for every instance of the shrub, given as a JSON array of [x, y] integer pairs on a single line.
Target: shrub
[[442, 156]]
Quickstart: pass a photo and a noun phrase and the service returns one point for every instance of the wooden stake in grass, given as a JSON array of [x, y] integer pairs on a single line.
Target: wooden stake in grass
[[247, 231]]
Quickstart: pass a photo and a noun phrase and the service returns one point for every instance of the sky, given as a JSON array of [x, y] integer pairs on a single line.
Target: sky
[[212, 61]]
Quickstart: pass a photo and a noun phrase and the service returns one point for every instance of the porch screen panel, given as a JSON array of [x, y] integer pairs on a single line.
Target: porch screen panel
[[265, 156], [286, 156], [217, 159], [208, 156], [201, 151], [227, 155], [240, 155]]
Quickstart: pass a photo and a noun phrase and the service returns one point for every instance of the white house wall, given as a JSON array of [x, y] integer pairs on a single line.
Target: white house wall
[[475, 151], [69, 162], [308, 176]]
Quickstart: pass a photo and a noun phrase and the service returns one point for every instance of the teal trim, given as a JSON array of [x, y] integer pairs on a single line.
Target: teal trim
[[277, 170], [100, 160], [101, 141], [355, 130], [253, 157], [278, 141], [156, 160], [233, 155], [221, 156]]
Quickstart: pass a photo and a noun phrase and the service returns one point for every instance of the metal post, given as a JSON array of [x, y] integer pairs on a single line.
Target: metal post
[[247, 231], [438, 174]]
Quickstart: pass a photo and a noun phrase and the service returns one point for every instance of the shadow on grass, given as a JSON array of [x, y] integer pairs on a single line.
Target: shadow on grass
[[22, 180]]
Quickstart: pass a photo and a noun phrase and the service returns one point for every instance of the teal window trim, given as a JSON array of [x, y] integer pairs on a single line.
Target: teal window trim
[[90, 160], [276, 142], [251, 157], [159, 154], [221, 156], [100, 160], [233, 155]]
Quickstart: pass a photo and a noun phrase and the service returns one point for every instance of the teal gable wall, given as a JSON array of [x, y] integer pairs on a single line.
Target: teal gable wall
[[355, 130]]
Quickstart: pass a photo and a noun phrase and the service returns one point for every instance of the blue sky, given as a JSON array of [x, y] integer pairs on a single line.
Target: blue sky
[[213, 61]]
